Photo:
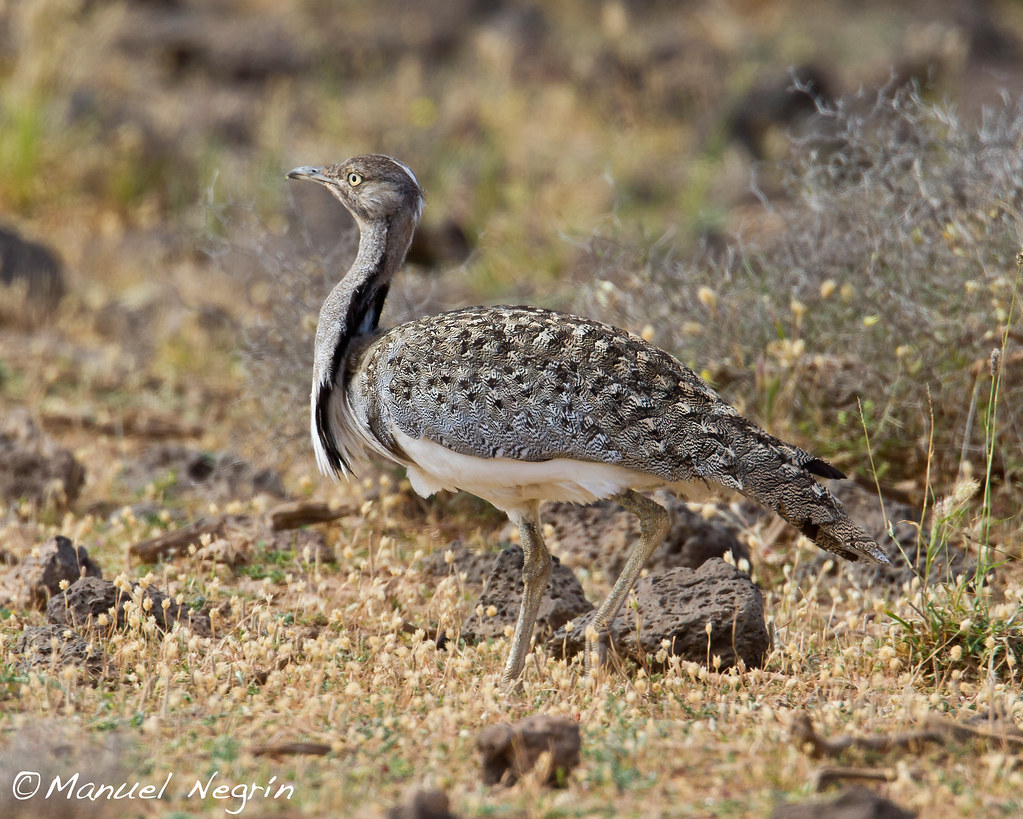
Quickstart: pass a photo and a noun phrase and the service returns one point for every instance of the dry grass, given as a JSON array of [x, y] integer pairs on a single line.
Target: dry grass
[[317, 653]]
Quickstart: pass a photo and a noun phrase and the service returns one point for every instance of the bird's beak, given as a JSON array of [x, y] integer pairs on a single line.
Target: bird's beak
[[309, 172]]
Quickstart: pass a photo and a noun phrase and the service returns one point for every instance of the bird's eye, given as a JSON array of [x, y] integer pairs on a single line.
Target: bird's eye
[[354, 179]]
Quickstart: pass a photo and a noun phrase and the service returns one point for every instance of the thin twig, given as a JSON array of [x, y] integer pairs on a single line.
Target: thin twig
[[937, 730]]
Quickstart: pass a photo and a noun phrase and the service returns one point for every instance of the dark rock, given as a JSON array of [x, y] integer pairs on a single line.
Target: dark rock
[[218, 476], [422, 803], [603, 535], [34, 266], [563, 601], [36, 647], [39, 575], [510, 751], [474, 565], [84, 600], [990, 39], [857, 803], [907, 551], [32, 466], [778, 104], [676, 606], [435, 246]]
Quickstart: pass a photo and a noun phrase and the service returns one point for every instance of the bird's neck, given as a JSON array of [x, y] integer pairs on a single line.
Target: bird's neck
[[354, 305], [352, 310]]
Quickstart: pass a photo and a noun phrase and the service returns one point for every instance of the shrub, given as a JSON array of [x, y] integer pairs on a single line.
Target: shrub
[[886, 274]]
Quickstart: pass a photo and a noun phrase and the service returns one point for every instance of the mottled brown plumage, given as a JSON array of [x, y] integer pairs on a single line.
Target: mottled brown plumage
[[519, 404]]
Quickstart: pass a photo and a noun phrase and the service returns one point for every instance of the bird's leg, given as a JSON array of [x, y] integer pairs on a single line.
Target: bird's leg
[[536, 571], [653, 527]]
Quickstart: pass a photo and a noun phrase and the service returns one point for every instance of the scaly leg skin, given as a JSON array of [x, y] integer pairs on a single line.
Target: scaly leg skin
[[536, 571], [653, 527]]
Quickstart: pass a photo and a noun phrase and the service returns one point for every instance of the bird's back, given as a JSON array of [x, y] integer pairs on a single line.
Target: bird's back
[[527, 385], [534, 384]]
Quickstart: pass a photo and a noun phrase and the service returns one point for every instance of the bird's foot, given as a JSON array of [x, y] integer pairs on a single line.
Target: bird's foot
[[511, 686], [595, 657], [511, 677]]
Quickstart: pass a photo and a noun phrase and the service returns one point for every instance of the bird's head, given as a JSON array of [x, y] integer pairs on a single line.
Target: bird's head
[[373, 187]]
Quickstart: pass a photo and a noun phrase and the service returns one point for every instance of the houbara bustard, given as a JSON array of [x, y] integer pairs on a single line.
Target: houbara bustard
[[518, 405]]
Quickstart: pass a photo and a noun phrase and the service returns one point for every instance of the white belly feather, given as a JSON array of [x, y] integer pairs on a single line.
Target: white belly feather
[[508, 483]]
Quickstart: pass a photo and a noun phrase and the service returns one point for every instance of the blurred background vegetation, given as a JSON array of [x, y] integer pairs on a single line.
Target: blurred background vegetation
[[758, 188]]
